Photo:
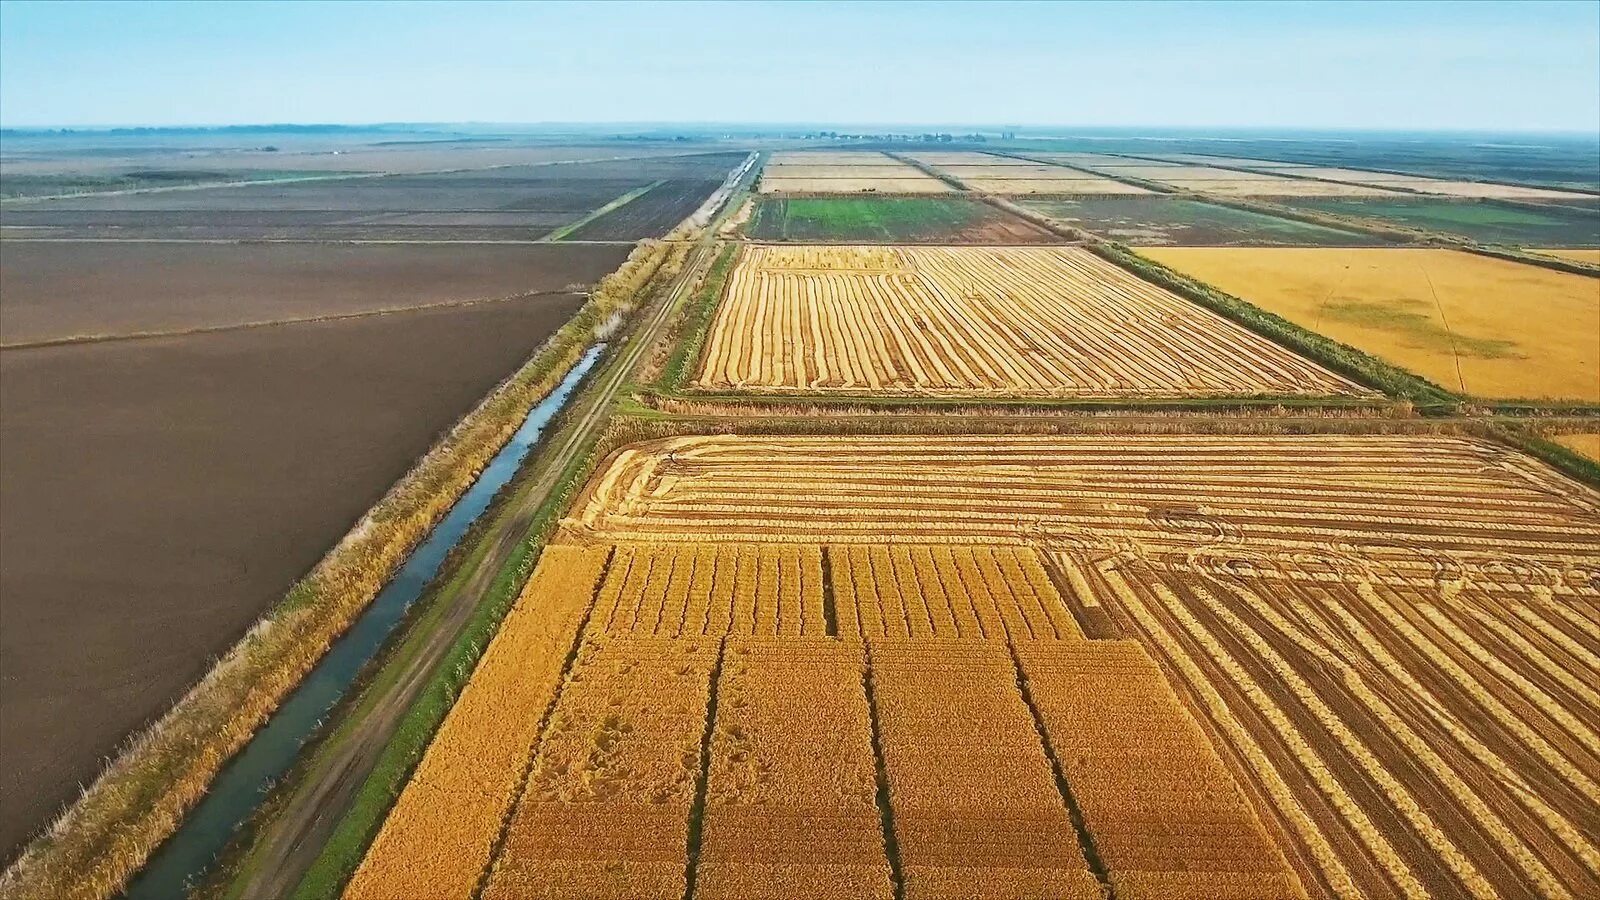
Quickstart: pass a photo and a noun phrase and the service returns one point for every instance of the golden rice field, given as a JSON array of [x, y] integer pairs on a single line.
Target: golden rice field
[[1405, 678], [804, 758], [976, 808], [1590, 255], [466, 782], [605, 811], [1137, 764], [791, 806], [980, 321], [1483, 326], [1587, 444]]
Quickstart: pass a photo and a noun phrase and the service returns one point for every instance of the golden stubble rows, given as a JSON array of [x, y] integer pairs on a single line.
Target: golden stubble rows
[[980, 321]]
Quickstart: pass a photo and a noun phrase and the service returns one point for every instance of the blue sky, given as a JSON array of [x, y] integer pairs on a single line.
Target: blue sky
[[1491, 66]]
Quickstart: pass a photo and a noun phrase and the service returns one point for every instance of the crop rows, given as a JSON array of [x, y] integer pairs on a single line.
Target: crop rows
[[976, 808], [444, 825], [606, 808], [978, 321], [1164, 814], [677, 590], [790, 808], [900, 591], [1418, 506], [1418, 741]]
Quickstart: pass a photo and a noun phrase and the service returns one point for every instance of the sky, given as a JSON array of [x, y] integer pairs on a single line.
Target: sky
[[1519, 66]]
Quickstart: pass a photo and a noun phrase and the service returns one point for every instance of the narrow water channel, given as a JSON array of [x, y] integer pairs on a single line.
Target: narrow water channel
[[243, 782]]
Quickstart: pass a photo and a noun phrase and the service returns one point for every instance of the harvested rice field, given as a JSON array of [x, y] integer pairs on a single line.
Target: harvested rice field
[[1299, 604], [845, 172], [945, 219], [795, 765], [1045, 322], [1482, 326]]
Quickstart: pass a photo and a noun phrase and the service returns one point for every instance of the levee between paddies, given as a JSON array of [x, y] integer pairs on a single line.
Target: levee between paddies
[[1396, 640], [981, 322], [1481, 326]]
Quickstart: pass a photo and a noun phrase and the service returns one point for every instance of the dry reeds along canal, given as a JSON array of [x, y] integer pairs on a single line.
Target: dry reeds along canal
[[244, 782]]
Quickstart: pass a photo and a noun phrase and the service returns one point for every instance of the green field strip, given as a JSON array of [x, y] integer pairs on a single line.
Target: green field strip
[[619, 202]]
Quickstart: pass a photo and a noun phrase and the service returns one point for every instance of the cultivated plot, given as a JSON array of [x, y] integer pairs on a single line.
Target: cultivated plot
[[1587, 444], [1156, 221], [161, 494], [980, 322], [844, 172], [1586, 255], [1355, 648], [1550, 225], [1409, 183], [1482, 326], [64, 290], [890, 220]]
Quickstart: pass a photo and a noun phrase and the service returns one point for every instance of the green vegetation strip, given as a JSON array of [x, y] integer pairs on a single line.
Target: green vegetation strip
[[562, 232], [696, 321], [1341, 358]]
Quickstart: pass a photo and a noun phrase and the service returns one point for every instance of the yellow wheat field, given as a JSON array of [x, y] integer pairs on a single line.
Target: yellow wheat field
[[971, 321], [976, 808], [605, 811], [1483, 326], [1166, 818], [444, 825], [791, 805]]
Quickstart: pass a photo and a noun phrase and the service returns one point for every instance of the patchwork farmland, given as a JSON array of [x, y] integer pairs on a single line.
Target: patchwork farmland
[[980, 322], [914, 536]]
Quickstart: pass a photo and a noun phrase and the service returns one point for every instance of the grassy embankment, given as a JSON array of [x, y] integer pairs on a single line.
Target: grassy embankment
[[355, 830], [102, 840]]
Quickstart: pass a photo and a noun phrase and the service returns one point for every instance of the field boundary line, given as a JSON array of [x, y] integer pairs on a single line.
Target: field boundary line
[[1086, 842], [498, 846], [614, 204], [702, 782], [891, 842], [75, 340]]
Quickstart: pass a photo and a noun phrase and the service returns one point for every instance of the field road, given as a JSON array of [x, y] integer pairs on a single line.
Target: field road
[[291, 842]]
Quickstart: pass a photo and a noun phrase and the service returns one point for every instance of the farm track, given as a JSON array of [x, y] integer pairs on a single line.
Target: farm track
[[292, 840]]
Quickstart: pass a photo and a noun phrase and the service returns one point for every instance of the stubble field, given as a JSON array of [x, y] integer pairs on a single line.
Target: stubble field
[[980, 322]]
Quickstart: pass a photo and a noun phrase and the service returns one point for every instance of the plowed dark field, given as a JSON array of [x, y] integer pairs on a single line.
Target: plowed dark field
[[160, 494], [651, 215], [70, 289]]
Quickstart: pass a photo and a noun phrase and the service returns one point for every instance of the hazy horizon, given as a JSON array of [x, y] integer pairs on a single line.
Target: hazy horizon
[[1495, 68]]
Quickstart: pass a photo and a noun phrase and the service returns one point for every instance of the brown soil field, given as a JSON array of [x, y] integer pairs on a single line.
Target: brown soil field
[[969, 321], [652, 215], [161, 493], [1082, 186], [785, 158], [523, 201], [60, 290]]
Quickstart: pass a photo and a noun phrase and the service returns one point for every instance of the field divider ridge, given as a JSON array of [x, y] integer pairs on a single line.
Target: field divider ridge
[[891, 843], [697, 810]]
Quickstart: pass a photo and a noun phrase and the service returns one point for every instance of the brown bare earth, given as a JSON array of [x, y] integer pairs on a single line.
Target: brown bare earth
[[59, 290], [161, 493]]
